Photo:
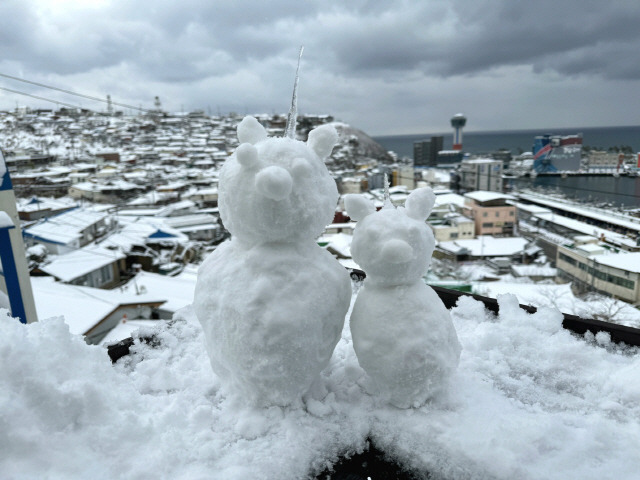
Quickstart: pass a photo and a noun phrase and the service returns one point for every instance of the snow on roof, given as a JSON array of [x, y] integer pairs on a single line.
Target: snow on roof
[[486, 196], [35, 204], [65, 227], [486, 246], [629, 262], [592, 212], [585, 228], [81, 309], [533, 270], [79, 262], [177, 292], [449, 198], [125, 328]]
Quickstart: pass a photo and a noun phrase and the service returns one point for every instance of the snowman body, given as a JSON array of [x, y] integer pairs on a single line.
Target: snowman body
[[402, 333], [271, 302]]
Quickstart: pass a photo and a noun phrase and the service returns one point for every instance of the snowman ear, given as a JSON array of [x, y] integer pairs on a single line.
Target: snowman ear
[[250, 131], [322, 140], [358, 206], [247, 155], [419, 203]]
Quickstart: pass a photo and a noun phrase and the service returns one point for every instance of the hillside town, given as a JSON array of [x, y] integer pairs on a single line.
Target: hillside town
[[117, 211]]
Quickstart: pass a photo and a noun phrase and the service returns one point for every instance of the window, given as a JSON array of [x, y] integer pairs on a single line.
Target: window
[[454, 235], [487, 225], [511, 213], [497, 214], [485, 214]]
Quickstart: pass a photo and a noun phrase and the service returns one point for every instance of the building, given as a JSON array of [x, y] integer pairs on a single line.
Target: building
[[452, 227], [554, 153], [69, 230], [425, 152], [481, 174], [591, 265], [93, 266], [490, 212]]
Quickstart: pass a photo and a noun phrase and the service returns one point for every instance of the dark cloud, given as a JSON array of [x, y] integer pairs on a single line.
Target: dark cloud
[[363, 56]]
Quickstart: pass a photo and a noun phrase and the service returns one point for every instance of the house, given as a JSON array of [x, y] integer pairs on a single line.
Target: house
[[481, 248], [452, 227], [93, 266], [69, 230], [94, 312], [491, 212], [36, 208]]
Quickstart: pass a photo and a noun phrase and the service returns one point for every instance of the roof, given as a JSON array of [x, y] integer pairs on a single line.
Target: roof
[[629, 262], [486, 196], [80, 262], [486, 246], [66, 227]]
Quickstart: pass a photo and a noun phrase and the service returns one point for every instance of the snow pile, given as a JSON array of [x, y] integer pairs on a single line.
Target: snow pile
[[402, 332], [271, 301], [529, 400]]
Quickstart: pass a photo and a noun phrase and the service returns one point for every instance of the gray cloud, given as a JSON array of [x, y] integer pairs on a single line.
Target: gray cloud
[[362, 58]]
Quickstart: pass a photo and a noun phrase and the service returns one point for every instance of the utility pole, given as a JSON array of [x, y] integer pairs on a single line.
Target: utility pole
[[15, 280]]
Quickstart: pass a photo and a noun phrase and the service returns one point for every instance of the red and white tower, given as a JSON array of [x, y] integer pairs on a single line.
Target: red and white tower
[[457, 122]]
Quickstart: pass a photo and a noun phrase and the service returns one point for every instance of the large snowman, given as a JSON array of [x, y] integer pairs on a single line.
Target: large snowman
[[272, 303], [402, 333]]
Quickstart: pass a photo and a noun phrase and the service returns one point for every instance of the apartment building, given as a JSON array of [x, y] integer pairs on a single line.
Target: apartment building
[[491, 213], [591, 265]]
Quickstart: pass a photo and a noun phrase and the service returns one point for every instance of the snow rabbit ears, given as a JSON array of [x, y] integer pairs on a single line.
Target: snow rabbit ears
[[321, 140], [418, 205]]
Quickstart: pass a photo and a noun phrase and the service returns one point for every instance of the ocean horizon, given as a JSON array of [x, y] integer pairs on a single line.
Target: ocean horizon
[[517, 141]]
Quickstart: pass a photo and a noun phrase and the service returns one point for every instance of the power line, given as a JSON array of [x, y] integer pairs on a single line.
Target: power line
[[70, 92], [50, 100]]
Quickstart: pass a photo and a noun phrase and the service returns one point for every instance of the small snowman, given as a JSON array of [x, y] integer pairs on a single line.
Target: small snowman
[[402, 333], [272, 303]]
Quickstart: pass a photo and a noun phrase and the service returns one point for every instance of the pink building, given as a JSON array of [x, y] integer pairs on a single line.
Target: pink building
[[490, 212]]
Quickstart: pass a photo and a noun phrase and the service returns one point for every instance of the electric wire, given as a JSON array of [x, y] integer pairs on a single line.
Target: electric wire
[[70, 92], [51, 101]]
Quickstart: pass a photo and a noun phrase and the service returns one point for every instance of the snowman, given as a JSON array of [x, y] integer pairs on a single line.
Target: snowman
[[402, 333], [272, 303]]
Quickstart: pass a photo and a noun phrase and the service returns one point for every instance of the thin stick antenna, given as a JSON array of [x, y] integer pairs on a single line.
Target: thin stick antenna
[[290, 129]]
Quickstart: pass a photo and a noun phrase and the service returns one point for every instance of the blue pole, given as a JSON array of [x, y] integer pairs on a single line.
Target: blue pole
[[11, 276]]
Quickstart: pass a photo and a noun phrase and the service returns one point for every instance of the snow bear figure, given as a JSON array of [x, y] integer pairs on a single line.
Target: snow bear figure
[[402, 333], [272, 303]]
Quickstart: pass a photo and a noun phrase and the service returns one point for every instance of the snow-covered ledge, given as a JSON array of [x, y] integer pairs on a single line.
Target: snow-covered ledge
[[529, 400]]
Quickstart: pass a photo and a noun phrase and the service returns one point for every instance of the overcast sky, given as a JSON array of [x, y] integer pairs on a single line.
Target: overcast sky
[[386, 67]]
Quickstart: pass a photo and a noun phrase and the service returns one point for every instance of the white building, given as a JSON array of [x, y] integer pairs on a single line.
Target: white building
[[481, 174]]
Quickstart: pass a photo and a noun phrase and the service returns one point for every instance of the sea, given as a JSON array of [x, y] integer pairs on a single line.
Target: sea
[[617, 192]]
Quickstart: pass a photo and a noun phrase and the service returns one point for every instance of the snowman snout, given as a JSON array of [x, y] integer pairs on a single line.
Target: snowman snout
[[397, 251], [274, 182]]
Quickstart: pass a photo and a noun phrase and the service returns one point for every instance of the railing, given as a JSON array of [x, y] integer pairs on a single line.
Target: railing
[[618, 333]]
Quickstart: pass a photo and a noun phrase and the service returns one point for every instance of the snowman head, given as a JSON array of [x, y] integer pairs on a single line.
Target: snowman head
[[394, 245], [277, 189]]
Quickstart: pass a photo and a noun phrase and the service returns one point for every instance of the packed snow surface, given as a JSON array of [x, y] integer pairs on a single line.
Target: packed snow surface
[[529, 400]]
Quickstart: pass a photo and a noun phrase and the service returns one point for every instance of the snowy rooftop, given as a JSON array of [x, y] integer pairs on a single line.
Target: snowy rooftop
[[80, 262], [598, 214], [65, 227], [623, 261], [486, 196], [486, 246]]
